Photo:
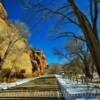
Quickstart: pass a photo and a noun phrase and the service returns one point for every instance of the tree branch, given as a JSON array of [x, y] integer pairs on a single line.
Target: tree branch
[[68, 34], [95, 18], [91, 10], [57, 12]]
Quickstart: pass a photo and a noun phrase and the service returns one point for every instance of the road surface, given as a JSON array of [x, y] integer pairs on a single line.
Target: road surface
[[43, 88]]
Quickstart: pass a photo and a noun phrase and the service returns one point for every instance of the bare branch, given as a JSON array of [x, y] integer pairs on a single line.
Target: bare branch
[[63, 7], [95, 18], [91, 10], [67, 34], [58, 13]]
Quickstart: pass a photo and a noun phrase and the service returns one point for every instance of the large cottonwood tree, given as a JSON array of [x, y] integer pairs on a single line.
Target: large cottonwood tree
[[70, 12]]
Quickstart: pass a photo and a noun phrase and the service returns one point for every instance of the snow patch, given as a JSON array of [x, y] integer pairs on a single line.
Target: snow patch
[[18, 82]]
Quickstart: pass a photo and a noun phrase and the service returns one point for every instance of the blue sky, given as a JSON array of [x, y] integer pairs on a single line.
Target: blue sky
[[39, 38], [40, 32]]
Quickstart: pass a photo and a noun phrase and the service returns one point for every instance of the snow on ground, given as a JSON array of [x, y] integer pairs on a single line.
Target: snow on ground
[[18, 82], [78, 91]]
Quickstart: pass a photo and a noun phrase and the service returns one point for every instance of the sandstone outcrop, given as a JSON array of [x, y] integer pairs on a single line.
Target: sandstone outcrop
[[15, 56]]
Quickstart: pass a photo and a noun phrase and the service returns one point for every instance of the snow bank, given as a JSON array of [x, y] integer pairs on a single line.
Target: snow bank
[[18, 82], [76, 91]]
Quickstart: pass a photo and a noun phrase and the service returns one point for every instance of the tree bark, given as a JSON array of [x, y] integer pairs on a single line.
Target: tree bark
[[86, 69]]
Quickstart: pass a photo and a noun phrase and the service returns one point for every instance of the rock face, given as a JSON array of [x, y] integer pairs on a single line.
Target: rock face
[[38, 62], [14, 52]]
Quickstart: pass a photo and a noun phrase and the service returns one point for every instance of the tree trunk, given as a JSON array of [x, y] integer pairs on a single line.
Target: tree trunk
[[86, 69]]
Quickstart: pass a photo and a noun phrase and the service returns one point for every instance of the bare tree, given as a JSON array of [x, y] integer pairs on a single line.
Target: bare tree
[[22, 28], [77, 48], [54, 68], [70, 13], [89, 29], [73, 68]]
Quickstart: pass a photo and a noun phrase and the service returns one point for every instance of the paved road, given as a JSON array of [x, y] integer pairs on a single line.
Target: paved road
[[44, 88]]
